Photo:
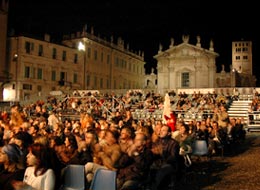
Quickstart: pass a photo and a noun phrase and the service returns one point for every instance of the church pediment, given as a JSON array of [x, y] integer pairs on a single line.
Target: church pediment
[[186, 50]]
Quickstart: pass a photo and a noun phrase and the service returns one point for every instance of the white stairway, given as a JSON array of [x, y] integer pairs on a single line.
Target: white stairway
[[239, 109]]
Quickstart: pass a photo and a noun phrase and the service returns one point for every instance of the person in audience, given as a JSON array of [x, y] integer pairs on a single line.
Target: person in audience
[[58, 131], [85, 152], [33, 131], [8, 134], [171, 120], [39, 173], [10, 162], [201, 132], [57, 165], [240, 131], [156, 132], [52, 119], [134, 167], [192, 128], [217, 137], [126, 139], [208, 122], [185, 141], [106, 157], [23, 140], [166, 159], [221, 116], [231, 130], [67, 150]]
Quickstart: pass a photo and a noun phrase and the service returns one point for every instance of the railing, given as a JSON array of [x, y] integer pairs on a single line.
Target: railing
[[253, 121], [157, 114]]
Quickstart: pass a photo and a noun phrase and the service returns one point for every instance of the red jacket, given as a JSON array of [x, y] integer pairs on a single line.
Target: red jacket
[[171, 121]]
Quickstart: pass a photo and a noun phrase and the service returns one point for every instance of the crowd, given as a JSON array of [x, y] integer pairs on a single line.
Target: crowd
[[37, 142]]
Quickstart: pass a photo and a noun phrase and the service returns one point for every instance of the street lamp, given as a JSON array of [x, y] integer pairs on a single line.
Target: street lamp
[[82, 47], [15, 58]]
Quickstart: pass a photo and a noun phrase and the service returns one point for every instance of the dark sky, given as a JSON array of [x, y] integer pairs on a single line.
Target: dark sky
[[144, 24]]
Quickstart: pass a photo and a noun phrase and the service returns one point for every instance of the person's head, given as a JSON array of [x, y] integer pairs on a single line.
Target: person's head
[[111, 137], [58, 127], [55, 141], [33, 130], [39, 156], [232, 120], [70, 140], [101, 134], [23, 139], [222, 108], [165, 131], [203, 122], [198, 124], [10, 154], [239, 120], [91, 137], [157, 128], [215, 125], [140, 141], [126, 133], [42, 140], [184, 129]]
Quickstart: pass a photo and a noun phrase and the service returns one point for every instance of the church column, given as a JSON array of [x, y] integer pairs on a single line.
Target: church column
[[172, 78]]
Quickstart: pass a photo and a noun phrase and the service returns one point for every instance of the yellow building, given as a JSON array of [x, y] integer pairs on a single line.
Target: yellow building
[[38, 67], [108, 64]]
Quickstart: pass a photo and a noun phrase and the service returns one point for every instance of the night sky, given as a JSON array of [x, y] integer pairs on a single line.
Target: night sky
[[144, 24]]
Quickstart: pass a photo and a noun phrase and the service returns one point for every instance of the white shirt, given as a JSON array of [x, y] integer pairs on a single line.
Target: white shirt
[[52, 120], [42, 182]]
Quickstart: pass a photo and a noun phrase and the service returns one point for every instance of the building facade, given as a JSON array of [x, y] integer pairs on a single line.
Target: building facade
[[108, 64], [242, 56], [188, 66], [39, 66]]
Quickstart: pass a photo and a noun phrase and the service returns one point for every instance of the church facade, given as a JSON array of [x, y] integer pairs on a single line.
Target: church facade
[[188, 66]]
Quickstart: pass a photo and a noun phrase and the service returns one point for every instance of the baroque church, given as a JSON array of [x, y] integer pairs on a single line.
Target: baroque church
[[189, 66]]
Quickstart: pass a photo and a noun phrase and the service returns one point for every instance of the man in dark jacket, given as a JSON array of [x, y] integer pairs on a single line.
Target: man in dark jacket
[[166, 162]]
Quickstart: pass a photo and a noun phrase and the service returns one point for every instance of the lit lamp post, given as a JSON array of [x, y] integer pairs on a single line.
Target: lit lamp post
[[15, 58], [82, 47]]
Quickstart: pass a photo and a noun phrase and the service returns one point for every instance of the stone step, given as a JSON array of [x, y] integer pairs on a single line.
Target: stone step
[[238, 108], [237, 114], [240, 105], [237, 111]]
